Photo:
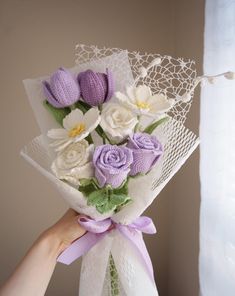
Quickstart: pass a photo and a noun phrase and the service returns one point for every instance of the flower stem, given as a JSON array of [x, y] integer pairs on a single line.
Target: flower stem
[[113, 277], [89, 139], [137, 124], [150, 128], [72, 107], [103, 135]]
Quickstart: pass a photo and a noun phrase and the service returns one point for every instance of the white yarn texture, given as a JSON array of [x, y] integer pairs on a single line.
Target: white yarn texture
[[174, 77]]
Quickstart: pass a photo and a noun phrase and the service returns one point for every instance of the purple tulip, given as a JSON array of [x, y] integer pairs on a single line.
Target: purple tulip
[[96, 88], [146, 152], [63, 90], [112, 164]]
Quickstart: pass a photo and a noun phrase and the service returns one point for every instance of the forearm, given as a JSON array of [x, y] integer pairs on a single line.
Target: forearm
[[33, 274]]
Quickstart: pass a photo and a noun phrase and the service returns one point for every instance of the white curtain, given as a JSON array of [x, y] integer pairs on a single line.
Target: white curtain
[[217, 164]]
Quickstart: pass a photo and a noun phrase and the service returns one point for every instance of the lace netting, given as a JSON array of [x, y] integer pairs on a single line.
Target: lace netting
[[173, 76]]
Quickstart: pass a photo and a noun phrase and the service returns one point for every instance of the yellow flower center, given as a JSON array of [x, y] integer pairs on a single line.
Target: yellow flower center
[[77, 130], [142, 105]]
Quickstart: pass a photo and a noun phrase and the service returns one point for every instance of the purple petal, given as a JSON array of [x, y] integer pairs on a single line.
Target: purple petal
[[143, 161], [49, 95], [112, 164], [146, 152], [116, 180], [93, 87], [64, 87], [100, 177]]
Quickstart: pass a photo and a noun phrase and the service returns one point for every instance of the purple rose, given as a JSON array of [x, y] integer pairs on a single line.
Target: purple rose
[[112, 164], [63, 90], [146, 152], [96, 88]]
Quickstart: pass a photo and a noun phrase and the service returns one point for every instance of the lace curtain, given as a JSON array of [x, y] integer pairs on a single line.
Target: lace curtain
[[217, 167]]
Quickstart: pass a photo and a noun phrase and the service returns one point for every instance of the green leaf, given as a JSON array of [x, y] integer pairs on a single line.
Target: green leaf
[[97, 198], [84, 107], [105, 208], [89, 139], [104, 199], [123, 189], [58, 114], [100, 131], [87, 186], [149, 129], [85, 181], [118, 199], [127, 201], [86, 190]]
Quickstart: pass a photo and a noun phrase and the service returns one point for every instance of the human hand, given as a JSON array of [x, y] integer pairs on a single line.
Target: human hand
[[64, 231], [32, 275]]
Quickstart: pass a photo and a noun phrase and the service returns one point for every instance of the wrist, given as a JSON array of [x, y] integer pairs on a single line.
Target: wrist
[[51, 243]]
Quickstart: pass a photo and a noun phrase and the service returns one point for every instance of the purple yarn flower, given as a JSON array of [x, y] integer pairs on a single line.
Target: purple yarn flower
[[146, 152], [96, 88], [63, 90], [112, 164]]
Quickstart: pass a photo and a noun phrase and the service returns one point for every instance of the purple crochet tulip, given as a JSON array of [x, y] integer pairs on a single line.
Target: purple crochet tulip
[[112, 164], [63, 90], [146, 152], [96, 88]]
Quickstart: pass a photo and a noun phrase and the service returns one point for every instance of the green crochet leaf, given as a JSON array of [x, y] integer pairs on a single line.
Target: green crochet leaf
[[84, 107], [149, 129], [119, 199], [87, 186], [104, 199], [97, 198], [123, 189], [58, 114], [100, 131], [105, 208]]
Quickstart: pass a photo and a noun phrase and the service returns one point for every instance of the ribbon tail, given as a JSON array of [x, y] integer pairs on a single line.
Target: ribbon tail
[[79, 248], [136, 238]]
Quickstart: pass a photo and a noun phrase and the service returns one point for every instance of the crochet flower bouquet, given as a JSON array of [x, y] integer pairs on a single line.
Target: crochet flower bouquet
[[112, 137]]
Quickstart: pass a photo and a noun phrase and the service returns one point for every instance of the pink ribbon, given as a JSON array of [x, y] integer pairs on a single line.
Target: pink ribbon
[[96, 230]]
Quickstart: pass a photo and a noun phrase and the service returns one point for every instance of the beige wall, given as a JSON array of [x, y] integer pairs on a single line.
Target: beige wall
[[37, 37]]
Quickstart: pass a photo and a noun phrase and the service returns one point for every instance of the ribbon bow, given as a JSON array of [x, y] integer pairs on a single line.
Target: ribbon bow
[[96, 230]]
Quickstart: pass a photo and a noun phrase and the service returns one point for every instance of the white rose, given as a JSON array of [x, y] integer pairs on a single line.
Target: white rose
[[117, 121], [74, 162]]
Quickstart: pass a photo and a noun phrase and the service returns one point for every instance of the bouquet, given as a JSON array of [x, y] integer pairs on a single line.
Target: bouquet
[[113, 135]]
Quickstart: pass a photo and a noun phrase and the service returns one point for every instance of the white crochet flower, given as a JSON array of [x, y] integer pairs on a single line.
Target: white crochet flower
[[74, 162], [76, 127], [117, 121], [140, 100]]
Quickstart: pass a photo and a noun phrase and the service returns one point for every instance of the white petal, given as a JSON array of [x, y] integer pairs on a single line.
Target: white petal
[[91, 121], [60, 147], [82, 136], [91, 118], [121, 97], [145, 112], [143, 92], [73, 175], [124, 100], [73, 118], [130, 90], [59, 133], [86, 171], [160, 104]]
